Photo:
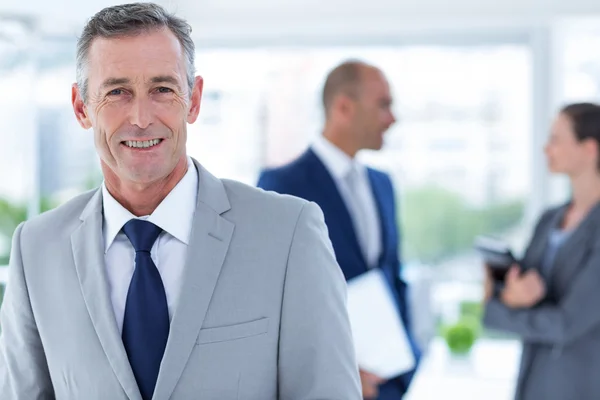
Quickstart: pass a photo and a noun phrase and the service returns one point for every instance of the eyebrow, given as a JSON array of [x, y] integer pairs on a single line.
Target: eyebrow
[[165, 79], [124, 81], [115, 81]]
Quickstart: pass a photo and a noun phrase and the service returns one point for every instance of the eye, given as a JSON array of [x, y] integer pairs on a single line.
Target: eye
[[385, 104], [164, 90], [115, 92]]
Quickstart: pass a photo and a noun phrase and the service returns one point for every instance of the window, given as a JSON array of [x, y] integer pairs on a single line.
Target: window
[[581, 67], [17, 130], [46, 157], [578, 78], [461, 111]]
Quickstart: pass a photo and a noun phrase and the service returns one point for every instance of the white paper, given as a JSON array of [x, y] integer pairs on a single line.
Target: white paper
[[380, 340]]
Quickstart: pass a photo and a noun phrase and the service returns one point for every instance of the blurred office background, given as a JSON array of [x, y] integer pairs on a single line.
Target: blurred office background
[[476, 84]]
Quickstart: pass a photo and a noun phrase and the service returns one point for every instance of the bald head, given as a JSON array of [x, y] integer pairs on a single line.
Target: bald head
[[344, 79], [357, 102]]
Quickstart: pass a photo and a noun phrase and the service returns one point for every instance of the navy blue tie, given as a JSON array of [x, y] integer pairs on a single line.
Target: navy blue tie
[[146, 320]]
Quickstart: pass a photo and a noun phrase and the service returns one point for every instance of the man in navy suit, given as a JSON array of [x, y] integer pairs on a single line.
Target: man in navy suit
[[358, 202]]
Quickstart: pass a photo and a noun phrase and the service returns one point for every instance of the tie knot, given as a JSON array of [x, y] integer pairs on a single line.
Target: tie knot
[[142, 234]]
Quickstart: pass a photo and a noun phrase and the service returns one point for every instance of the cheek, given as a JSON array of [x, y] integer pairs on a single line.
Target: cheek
[[566, 158], [383, 116], [108, 120], [173, 115], [560, 158]]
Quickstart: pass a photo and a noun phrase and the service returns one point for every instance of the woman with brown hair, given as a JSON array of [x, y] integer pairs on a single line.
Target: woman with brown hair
[[551, 299]]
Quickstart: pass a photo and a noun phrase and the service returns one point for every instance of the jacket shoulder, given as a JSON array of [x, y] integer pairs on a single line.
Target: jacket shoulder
[[289, 172], [256, 199], [59, 219]]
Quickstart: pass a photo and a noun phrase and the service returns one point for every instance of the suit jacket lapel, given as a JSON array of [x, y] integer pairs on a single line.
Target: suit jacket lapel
[[569, 257], [333, 201], [382, 212], [209, 241], [536, 254], [87, 244]]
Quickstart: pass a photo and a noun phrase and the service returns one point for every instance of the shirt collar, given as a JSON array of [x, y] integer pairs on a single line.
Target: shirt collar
[[173, 215], [337, 162]]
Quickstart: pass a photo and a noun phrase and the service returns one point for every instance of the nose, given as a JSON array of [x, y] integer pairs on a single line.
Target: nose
[[141, 112], [392, 119]]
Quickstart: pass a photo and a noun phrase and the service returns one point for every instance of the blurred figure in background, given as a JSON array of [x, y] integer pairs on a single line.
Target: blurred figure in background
[[551, 299], [358, 202]]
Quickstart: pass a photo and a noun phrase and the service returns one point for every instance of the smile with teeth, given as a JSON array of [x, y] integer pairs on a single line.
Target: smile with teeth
[[142, 144]]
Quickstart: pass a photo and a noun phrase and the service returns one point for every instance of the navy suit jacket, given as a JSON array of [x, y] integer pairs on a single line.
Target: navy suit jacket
[[308, 178]]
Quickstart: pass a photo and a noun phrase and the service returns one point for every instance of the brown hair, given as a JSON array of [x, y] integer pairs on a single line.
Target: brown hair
[[585, 119]]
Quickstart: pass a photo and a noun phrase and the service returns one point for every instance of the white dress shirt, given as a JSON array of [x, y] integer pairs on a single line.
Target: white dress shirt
[[174, 216], [358, 198]]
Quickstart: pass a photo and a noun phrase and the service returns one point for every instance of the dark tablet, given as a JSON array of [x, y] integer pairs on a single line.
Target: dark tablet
[[496, 254]]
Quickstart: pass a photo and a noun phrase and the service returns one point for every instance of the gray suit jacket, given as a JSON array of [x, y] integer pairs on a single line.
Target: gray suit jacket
[[561, 336], [261, 312]]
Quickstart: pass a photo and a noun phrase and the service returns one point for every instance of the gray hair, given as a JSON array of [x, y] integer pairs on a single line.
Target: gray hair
[[130, 20]]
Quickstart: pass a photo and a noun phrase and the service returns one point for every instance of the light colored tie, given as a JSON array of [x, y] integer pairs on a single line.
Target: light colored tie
[[358, 209]]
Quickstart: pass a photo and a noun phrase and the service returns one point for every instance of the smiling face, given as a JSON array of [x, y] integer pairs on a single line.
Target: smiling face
[[138, 105]]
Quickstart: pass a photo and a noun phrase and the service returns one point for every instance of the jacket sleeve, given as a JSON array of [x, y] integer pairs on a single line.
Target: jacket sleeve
[[316, 351], [559, 323], [23, 369]]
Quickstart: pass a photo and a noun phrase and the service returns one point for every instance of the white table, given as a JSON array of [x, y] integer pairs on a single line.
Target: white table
[[489, 372]]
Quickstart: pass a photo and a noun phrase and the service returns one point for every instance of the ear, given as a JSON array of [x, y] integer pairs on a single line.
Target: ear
[[344, 105], [195, 100], [592, 147], [80, 108]]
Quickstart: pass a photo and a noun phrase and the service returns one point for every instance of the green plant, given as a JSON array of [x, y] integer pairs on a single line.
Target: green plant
[[472, 309], [438, 223], [473, 312], [11, 215], [461, 336]]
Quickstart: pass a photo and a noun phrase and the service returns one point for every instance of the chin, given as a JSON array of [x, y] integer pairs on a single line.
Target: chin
[[145, 174], [378, 147], [375, 146], [553, 169]]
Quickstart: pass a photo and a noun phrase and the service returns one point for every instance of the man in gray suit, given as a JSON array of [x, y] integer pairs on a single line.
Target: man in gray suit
[[168, 283]]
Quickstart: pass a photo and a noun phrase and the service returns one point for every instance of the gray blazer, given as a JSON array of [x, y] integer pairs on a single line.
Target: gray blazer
[[561, 335], [261, 312]]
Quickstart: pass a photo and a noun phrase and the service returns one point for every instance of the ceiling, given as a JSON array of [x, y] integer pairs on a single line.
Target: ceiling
[[240, 18]]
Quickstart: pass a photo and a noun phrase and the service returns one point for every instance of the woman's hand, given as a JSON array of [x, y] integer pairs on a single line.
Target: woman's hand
[[522, 290]]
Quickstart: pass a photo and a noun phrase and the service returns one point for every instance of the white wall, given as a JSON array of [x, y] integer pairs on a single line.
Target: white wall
[[276, 18], [405, 9]]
